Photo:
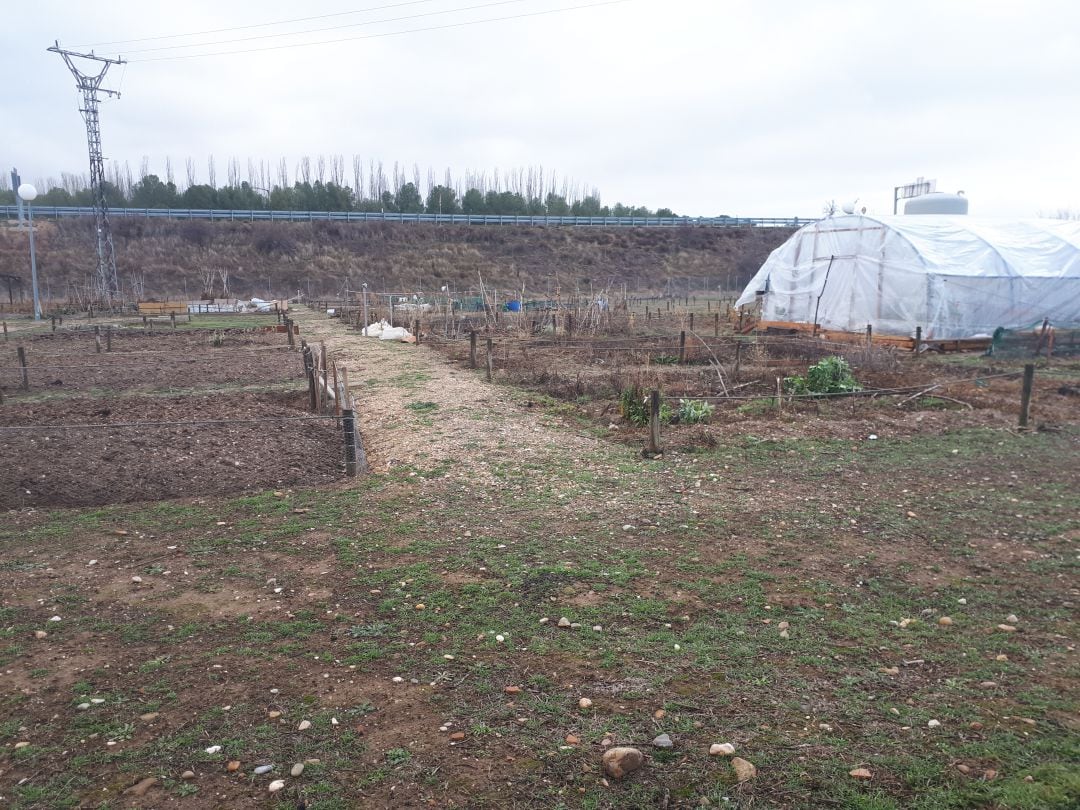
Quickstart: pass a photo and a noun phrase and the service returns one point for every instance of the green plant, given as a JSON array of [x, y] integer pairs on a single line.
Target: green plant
[[693, 411], [217, 340], [829, 376], [633, 407]]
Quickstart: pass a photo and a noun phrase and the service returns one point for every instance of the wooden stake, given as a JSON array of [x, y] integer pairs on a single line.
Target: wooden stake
[[653, 447], [869, 335], [348, 425], [716, 325], [682, 347], [918, 340], [1025, 394], [489, 354], [472, 348], [25, 374], [108, 338], [738, 361], [779, 396]]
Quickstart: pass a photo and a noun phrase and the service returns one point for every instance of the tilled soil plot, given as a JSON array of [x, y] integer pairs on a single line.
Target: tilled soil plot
[[68, 362], [55, 464]]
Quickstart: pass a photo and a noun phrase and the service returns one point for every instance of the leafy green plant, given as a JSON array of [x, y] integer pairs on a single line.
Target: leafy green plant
[[633, 407], [693, 411], [829, 376], [666, 360]]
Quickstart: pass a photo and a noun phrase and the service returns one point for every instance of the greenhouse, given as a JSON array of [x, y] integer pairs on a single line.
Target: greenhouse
[[953, 276]]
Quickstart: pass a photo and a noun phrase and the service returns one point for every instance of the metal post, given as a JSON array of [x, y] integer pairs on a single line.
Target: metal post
[[33, 262]]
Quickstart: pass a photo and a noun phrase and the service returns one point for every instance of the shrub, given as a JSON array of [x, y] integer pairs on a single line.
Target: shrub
[[829, 376]]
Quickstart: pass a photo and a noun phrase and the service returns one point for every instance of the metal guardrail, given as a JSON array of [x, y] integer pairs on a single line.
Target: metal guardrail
[[58, 212]]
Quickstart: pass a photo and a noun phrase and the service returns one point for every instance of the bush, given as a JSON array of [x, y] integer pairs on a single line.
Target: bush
[[829, 376]]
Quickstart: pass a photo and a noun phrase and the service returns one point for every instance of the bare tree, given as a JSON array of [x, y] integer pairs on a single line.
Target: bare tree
[[320, 168], [303, 170], [234, 172], [337, 170], [169, 177], [190, 167], [211, 172], [829, 209], [283, 173], [144, 166]]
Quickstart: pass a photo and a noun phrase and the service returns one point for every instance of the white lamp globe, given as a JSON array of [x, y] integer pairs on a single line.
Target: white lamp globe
[[27, 192]]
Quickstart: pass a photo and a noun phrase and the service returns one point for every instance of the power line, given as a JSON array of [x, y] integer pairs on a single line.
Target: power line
[[256, 25], [387, 33], [330, 28]]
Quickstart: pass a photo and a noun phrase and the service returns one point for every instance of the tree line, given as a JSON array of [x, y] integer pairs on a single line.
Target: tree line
[[321, 185]]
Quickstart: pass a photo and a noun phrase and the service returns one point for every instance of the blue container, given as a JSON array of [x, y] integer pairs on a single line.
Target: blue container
[[513, 306]]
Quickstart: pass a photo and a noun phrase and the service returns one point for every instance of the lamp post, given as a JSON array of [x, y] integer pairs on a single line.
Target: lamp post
[[27, 193]]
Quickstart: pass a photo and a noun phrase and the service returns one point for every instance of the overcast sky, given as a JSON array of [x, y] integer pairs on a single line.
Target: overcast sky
[[705, 106]]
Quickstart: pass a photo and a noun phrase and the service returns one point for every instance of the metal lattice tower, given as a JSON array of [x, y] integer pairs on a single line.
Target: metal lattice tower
[[108, 286]]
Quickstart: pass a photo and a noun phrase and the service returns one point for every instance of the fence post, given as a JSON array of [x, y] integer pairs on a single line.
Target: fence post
[[309, 370], [172, 317], [289, 332], [97, 342], [25, 373], [472, 348], [653, 448], [738, 361], [918, 340], [716, 325], [489, 355], [869, 335], [5, 332], [682, 347], [691, 321], [416, 330], [108, 338], [1025, 394], [54, 323]]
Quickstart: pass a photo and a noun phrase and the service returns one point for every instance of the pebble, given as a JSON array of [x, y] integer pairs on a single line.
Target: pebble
[[961, 601], [512, 690], [136, 579], [744, 770], [564, 622], [1006, 628], [963, 768], [976, 726], [945, 621], [721, 750], [304, 725], [1001, 657], [860, 773], [988, 684], [783, 626], [891, 670], [785, 634], [500, 638], [622, 760], [457, 736], [21, 744], [40, 634], [297, 769], [989, 774], [213, 749], [149, 717], [274, 714], [55, 619], [597, 628], [83, 706], [934, 724], [259, 771], [573, 739], [187, 775], [276, 785], [398, 679], [584, 703], [1012, 618], [662, 741], [545, 620], [97, 701], [234, 765]]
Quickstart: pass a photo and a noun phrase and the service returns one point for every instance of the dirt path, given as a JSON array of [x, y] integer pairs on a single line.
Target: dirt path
[[417, 410]]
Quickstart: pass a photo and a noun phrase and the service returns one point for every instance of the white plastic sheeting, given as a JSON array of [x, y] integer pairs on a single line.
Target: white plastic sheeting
[[955, 276]]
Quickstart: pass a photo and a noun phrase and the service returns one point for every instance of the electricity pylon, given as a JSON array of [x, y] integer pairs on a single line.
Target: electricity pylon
[[108, 286]]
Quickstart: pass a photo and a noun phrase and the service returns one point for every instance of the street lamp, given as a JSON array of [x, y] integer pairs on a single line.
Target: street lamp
[[27, 193]]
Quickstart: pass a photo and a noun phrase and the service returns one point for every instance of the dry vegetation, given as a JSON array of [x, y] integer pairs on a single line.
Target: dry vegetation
[[320, 258]]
